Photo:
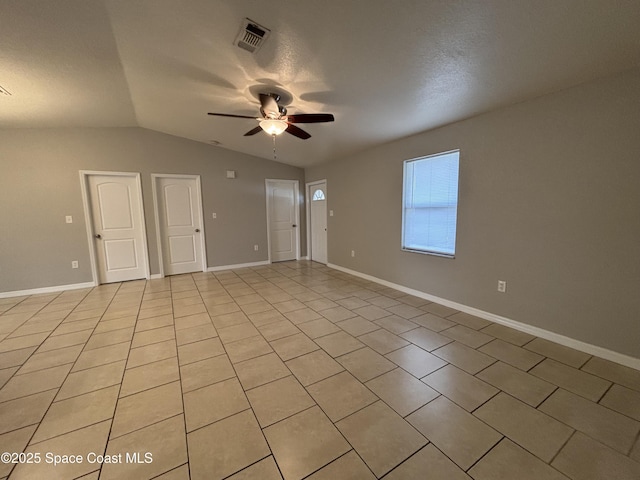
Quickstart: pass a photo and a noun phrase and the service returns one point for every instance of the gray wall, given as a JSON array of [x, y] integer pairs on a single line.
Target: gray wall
[[549, 201], [40, 184]]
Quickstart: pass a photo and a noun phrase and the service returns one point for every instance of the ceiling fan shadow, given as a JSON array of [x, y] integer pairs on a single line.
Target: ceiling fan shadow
[[198, 74], [326, 97]]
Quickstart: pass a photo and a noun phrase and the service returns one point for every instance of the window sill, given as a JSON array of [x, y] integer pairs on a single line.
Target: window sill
[[428, 252]]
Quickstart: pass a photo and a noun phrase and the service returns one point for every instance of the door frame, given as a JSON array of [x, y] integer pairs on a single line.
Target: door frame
[[88, 219], [296, 207], [308, 210], [154, 187]]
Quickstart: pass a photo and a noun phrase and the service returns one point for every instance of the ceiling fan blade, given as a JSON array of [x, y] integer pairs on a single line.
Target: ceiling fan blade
[[310, 118], [269, 106], [229, 115], [297, 132], [253, 131]]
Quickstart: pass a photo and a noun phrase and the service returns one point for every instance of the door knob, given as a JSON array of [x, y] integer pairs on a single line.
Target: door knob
[[294, 226], [98, 236], [197, 230]]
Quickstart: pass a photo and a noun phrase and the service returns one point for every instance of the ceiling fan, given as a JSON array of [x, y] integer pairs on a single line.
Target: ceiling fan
[[275, 120]]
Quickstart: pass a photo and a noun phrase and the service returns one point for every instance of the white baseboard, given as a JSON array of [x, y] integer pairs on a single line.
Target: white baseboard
[[238, 265], [155, 276], [601, 352], [38, 291], [306, 257]]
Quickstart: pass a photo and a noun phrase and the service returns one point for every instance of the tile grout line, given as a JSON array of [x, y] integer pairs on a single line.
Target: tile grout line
[[604, 394], [246, 398], [44, 340], [115, 407], [548, 396], [633, 444], [352, 413], [563, 445], [184, 411], [163, 473], [486, 453], [254, 463], [302, 278], [65, 379], [315, 405], [35, 352], [238, 380]]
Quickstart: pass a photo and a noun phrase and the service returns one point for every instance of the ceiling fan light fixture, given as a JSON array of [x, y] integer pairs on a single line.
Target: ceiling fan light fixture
[[273, 127]]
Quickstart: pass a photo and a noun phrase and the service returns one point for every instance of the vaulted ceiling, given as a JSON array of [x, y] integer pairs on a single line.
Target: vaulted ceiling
[[385, 69]]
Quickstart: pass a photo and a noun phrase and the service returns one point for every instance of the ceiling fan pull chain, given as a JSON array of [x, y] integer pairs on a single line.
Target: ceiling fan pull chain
[[274, 146]]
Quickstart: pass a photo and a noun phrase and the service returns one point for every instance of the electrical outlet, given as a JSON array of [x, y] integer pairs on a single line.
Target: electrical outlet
[[74, 264], [502, 286], [353, 253], [68, 219], [255, 248], [331, 213]]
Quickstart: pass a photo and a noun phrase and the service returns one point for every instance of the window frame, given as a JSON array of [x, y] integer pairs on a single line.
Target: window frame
[[404, 208]]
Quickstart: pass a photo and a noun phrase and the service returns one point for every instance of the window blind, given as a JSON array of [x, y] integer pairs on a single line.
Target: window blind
[[430, 203]]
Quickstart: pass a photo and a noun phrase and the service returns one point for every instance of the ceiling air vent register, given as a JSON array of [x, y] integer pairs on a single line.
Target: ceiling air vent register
[[251, 36]]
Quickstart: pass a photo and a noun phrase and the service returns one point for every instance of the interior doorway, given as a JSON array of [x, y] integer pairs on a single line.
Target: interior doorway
[[317, 215], [179, 223], [115, 226], [283, 234]]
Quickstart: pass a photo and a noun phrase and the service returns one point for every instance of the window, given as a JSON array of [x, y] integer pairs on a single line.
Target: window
[[317, 195], [430, 204]]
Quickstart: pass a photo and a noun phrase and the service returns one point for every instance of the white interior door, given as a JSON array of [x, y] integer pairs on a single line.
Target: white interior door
[[283, 219], [118, 223], [179, 207], [317, 195]]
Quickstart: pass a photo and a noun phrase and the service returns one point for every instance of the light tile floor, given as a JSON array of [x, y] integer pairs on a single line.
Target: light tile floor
[[294, 371]]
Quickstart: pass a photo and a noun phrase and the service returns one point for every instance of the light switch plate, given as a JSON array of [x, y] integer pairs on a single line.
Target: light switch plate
[[68, 219]]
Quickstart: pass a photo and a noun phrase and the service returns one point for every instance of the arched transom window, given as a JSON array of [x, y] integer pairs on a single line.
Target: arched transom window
[[318, 195]]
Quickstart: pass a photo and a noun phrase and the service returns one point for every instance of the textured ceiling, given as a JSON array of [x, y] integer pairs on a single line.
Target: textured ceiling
[[384, 69]]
